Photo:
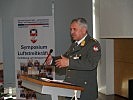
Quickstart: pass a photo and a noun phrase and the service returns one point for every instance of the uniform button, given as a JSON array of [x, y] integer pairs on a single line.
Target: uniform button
[[69, 70], [85, 82]]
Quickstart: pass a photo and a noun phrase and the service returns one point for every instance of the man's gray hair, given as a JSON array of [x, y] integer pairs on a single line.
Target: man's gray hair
[[81, 21]]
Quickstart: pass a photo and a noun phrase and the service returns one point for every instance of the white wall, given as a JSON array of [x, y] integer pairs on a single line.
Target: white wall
[[106, 65], [113, 20], [116, 18]]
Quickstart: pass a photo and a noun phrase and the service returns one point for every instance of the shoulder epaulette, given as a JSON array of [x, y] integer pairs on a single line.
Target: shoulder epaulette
[[94, 39]]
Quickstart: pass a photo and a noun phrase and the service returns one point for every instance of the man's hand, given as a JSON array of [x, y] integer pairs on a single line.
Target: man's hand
[[63, 62]]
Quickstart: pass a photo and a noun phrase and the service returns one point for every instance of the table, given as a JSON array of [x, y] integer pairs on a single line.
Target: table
[[52, 88]]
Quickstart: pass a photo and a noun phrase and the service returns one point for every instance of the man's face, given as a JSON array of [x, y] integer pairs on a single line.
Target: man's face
[[77, 32]]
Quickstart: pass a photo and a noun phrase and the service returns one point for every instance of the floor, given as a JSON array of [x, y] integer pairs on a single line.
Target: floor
[[110, 97], [100, 97], [104, 97]]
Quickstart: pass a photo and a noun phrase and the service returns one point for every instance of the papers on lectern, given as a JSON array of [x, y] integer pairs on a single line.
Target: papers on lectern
[[55, 81]]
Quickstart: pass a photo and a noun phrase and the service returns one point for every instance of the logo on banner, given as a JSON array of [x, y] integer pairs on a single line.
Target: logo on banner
[[33, 35]]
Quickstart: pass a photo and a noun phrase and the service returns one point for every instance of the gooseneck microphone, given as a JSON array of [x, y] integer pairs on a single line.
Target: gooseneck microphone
[[50, 51]]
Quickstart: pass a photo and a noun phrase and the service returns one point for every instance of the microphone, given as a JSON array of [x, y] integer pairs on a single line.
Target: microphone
[[43, 66], [50, 51]]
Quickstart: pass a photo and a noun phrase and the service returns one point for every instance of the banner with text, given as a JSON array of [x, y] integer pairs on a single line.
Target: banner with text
[[33, 39]]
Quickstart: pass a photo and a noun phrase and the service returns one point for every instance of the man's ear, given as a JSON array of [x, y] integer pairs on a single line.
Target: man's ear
[[84, 30]]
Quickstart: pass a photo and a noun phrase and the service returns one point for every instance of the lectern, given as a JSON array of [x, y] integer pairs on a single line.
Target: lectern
[[52, 88]]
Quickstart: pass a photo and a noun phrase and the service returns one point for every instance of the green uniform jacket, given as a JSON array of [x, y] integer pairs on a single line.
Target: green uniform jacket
[[82, 69]]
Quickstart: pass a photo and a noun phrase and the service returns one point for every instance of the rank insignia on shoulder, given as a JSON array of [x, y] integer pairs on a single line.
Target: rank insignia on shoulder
[[95, 48], [94, 39]]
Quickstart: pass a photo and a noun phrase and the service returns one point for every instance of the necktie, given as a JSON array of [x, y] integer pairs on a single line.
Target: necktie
[[75, 45]]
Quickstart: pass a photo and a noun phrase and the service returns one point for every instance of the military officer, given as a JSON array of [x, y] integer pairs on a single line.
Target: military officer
[[81, 60]]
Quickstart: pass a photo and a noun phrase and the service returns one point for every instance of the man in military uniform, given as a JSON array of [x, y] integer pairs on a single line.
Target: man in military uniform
[[81, 60]]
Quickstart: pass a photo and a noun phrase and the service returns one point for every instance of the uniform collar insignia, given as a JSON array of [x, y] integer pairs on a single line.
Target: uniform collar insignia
[[82, 43]]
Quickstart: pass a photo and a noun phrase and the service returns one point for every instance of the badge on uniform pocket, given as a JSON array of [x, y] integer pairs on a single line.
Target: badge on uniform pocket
[[77, 56]]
